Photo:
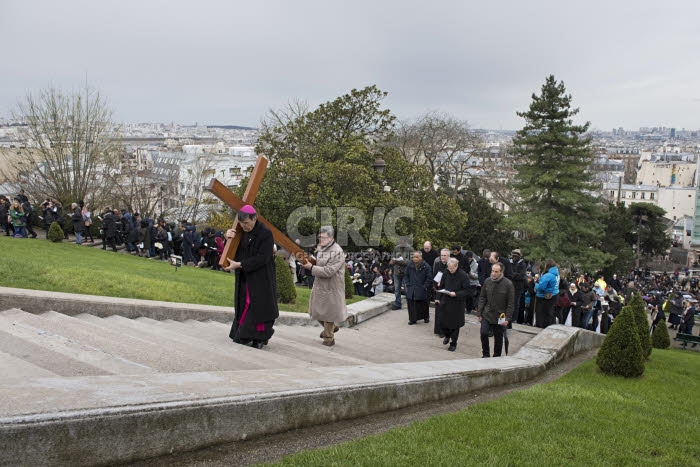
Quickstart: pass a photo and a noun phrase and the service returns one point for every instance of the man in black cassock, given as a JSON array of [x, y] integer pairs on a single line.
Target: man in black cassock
[[255, 293]]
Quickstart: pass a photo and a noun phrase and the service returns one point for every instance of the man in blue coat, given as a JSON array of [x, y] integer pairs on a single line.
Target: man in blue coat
[[417, 281]]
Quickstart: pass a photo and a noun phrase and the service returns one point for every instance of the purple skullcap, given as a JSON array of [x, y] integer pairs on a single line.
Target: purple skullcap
[[248, 209]]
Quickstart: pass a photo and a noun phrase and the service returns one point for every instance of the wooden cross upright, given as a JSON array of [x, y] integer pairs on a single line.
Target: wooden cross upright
[[220, 190]]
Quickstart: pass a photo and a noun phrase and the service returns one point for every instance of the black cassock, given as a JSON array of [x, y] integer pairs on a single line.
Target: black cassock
[[452, 308], [256, 290]]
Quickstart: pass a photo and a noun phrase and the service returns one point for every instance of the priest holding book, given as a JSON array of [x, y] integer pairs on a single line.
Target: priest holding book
[[451, 298]]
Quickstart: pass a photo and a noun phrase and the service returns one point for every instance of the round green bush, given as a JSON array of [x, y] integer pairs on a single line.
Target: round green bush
[[286, 292], [349, 287], [640, 317], [621, 353], [660, 338], [55, 233]]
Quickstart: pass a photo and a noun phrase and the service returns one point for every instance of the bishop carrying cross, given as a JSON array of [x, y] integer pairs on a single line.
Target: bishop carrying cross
[[249, 254]]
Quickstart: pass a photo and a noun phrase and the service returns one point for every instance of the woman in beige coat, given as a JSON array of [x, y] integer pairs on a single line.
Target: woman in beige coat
[[327, 302]]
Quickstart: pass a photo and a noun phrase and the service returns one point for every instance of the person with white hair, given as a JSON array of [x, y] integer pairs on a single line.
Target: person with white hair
[[327, 301], [453, 290]]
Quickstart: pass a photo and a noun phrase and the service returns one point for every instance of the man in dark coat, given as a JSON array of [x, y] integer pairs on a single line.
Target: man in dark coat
[[429, 253], [519, 274], [455, 283], [496, 299], [256, 291], [109, 230], [439, 266], [417, 281]]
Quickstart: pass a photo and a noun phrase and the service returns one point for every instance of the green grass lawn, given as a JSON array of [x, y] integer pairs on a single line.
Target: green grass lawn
[[66, 267], [583, 418]]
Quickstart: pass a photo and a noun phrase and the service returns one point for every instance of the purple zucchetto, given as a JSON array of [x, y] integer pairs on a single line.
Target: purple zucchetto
[[248, 209]]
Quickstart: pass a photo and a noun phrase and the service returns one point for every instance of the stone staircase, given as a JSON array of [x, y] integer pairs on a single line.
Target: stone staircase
[[55, 344], [109, 380]]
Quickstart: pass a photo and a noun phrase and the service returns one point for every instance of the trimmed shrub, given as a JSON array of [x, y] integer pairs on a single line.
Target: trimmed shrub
[[640, 317], [660, 338], [55, 233], [349, 287], [286, 292], [621, 353]]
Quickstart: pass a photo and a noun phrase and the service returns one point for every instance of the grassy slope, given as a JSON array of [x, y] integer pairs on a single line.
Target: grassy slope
[[584, 418], [66, 267]]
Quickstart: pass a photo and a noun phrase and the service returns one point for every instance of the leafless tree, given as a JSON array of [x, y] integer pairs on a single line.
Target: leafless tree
[[278, 127], [196, 203], [72, 146], [438, 141]]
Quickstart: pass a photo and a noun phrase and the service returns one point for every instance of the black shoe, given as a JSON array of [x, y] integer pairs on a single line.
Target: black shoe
[[257, 345], [485, 356], [446, 341], [394, 307], [427, 320], [410, 323], [452, 348]]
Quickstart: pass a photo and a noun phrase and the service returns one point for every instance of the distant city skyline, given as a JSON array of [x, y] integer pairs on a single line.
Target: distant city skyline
[[625, 63]]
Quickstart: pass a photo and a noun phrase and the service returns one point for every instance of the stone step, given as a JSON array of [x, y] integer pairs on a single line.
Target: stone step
[[142, 351], [310, 351], [28, 351], [48, 335], [14, 367], [219, 349]]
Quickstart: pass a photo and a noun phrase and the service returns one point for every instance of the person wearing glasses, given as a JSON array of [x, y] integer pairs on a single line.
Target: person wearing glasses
[[327, 301]]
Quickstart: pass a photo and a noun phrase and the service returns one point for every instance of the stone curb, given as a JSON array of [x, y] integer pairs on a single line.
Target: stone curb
[[191, 420]]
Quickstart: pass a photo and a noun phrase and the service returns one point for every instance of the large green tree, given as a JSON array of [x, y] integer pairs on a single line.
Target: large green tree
[[617, 239], [649, 229], [326, 158], [556, 214]]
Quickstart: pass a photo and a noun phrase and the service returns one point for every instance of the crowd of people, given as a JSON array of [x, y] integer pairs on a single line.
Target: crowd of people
[[145, 237], [500, 291]]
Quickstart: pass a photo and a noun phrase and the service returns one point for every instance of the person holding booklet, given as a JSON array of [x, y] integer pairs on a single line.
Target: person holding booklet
[[439, 267], [451, 297]]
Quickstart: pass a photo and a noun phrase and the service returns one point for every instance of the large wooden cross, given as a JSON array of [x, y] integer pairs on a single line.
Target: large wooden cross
[[220, 190]]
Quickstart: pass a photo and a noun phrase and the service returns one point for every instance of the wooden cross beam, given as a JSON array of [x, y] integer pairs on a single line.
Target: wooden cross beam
[[220, 190]]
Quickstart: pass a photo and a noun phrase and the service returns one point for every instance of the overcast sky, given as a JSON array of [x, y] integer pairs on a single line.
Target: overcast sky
[[626, 63]]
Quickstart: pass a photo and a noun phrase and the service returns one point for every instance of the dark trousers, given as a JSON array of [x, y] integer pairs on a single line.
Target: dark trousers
[[544, 312], [436, 320], [418, 309], [30, 228], [453, 334], [109, 242], [469, 303], [517, 318], [497, 338], [398, 280]]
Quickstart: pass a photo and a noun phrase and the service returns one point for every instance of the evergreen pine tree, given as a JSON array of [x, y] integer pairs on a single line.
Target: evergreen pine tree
[[55, 233], [286, 292], [621, 353], [660, 338], [642, 323], [556, 213]]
